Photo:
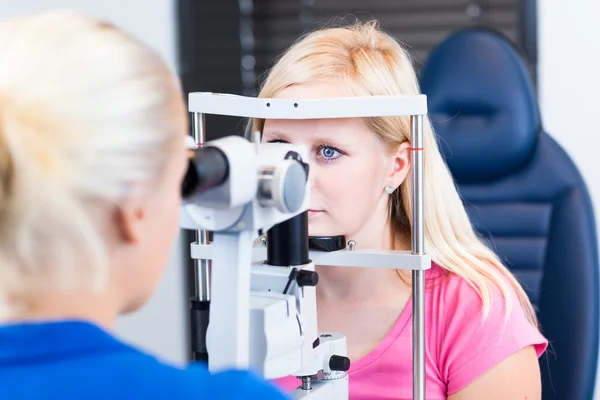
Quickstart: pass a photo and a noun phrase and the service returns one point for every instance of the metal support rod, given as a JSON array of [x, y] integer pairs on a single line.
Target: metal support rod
[[201, 267], [200, 301], [418, 248]]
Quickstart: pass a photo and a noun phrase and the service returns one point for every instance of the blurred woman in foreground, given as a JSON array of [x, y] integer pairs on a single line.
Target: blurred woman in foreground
[[92, 155]]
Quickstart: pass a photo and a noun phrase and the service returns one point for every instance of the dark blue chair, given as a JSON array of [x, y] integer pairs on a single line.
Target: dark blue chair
[[523, 194]]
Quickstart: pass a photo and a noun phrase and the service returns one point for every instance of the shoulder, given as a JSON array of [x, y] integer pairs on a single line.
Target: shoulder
[[163, 380], [469, 343], [458, 301], [86, 361], [195, 381], [124, 371]]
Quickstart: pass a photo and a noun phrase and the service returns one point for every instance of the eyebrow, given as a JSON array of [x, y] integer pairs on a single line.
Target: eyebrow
[[275, 135], [321, 141]]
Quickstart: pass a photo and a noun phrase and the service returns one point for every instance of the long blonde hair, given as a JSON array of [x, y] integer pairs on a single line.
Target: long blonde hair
[[88, 115], [370, 62]]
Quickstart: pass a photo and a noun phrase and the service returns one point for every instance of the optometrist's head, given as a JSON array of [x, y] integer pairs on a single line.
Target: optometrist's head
[[92, 155]]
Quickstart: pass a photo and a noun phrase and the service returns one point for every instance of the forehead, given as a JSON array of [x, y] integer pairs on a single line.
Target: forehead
[[315, 129]]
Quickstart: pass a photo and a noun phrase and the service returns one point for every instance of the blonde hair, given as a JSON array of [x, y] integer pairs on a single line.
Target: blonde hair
[[370, 62], [88, 117]]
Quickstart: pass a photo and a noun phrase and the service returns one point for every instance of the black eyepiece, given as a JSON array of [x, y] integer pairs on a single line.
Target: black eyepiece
[[208, 169]]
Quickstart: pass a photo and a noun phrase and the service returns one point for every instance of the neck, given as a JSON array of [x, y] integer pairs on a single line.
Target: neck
[[352, 285], [359, 285], [97, 308]]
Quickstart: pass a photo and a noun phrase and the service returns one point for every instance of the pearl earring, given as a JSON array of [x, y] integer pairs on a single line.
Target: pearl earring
[[389, 188]]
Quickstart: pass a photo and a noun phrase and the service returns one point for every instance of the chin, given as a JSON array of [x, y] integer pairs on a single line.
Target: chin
[[316, 229], [134, 304]]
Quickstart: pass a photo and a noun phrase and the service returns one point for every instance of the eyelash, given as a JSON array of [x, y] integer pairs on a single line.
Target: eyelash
[[320, 149]]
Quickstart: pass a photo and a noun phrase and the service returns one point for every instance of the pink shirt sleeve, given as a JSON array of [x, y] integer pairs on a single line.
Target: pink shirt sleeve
[[470, 346]]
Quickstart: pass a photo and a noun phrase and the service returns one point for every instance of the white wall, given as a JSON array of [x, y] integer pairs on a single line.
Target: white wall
[[569, 83], [160, 326], [569, 58]]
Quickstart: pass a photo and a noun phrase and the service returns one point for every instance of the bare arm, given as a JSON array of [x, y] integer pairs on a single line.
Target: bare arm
[[515, 378]]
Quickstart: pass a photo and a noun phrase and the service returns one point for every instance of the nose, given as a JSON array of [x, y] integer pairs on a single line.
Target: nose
[[312, 173]]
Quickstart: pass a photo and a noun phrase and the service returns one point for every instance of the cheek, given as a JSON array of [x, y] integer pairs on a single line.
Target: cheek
[[339, 191], [172, 209], [350, 181], [349, 191], [164, 220], [172, 201]]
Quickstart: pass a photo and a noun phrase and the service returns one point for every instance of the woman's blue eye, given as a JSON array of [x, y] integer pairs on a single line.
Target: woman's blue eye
[[329, 153]]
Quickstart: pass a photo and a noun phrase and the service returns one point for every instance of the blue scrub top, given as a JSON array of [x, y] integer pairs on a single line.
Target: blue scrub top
[[79, 360]]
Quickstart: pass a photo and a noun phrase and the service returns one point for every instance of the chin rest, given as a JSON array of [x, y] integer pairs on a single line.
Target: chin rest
[[523, 193]]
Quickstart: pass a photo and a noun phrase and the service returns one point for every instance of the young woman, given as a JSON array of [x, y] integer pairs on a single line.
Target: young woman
[[92, 156], [482, 341]]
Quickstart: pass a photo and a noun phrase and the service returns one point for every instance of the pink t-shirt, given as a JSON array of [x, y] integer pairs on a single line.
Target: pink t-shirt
[[458, 348]]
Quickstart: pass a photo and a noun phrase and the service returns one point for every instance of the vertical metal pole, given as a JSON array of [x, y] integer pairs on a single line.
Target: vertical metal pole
[[200, 302], [418, 248], [201, 266]]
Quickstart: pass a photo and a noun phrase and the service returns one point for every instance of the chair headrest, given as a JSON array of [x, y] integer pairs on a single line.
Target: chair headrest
[[482, 104]]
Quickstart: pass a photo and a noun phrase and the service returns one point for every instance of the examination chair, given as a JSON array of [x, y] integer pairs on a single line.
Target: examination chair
[[523, 193]]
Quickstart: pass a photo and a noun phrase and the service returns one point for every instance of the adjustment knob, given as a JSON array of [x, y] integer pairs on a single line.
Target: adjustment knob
[[339, 363], [307, 278]]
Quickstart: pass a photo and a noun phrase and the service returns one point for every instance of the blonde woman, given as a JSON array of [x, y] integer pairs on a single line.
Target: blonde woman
[[482, 341], [92, 156]]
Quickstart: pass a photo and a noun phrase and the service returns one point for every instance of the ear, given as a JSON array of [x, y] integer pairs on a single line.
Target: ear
[[130, 216], [401, 162]]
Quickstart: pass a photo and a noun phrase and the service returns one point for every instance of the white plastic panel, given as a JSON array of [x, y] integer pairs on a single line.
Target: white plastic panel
[[392, 259], [342, 107]]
